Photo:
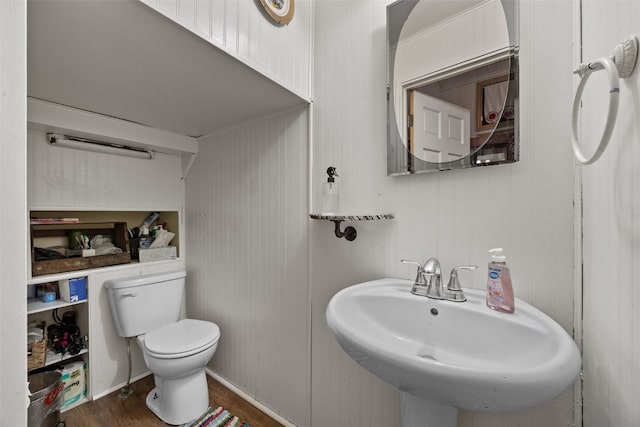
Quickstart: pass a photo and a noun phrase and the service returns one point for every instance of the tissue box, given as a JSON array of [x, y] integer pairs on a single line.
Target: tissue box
[[73, 290], [157, 254]]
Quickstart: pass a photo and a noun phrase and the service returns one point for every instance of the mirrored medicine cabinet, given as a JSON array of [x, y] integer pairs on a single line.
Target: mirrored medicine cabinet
[[452, 84]]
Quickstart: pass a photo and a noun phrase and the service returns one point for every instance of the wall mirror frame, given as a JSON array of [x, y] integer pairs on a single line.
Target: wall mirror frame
[[452, 96]]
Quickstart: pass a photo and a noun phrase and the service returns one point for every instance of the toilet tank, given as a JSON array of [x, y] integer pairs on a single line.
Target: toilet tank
[[140, 304]]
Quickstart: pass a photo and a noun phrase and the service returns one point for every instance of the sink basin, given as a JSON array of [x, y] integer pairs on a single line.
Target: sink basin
[[452, 355]]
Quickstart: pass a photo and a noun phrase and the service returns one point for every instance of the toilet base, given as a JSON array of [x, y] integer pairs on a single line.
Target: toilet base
[[179, 401]]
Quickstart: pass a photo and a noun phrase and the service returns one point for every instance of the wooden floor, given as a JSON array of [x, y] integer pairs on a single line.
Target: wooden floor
[[111, 411]]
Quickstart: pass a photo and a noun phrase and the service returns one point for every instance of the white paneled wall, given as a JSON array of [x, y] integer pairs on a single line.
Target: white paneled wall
[[456, 216], [265, 272], [611, 205], [262, 270], [65, 178], [247, 198], [13, 212], [242, 28]]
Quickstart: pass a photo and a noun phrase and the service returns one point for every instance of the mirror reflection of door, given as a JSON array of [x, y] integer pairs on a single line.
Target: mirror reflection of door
[[453, 104], [438, 130]]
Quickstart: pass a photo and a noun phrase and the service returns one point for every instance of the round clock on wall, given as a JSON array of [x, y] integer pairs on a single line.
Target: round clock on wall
[[280, 11]]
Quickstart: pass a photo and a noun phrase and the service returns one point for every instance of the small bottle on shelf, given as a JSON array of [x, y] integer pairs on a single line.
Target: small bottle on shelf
[[330, 193]]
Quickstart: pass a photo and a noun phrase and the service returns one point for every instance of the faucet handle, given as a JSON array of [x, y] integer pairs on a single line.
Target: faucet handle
[[453, 287], [408, 261], [420, 279], [454, 283]]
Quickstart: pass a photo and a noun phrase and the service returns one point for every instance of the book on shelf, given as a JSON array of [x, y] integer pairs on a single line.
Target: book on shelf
[[55, 220]]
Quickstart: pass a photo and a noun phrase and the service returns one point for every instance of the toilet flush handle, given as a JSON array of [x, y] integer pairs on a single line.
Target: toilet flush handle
[[130, 294]]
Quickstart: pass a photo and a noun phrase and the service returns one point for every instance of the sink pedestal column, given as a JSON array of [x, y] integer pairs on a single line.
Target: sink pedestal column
[[418, 412]]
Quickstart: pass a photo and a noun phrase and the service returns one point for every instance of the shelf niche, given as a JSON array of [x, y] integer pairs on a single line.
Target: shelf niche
[[46, 235]]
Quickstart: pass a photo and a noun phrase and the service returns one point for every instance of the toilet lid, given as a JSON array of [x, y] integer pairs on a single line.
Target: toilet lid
[[181, 338]]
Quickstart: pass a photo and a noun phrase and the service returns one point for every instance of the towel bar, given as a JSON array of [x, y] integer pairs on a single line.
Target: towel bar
[[620, 65]]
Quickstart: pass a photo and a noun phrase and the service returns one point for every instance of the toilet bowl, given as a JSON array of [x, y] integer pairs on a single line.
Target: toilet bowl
[[177, 354], [175, 351]]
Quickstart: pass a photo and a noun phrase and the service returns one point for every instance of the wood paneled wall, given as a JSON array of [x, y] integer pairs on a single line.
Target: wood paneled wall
[[65, 178], [527, 207], [265, 272], [242, 28], [13, 213], [247, 239], [611, 203]]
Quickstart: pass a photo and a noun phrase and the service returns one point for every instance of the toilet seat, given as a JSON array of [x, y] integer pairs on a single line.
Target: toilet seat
[[181, 339]]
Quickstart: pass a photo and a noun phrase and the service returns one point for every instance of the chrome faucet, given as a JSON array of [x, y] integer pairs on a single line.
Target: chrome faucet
[[428, 281]]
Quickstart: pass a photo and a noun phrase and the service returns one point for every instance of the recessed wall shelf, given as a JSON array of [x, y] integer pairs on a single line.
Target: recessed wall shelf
[[349, 232]]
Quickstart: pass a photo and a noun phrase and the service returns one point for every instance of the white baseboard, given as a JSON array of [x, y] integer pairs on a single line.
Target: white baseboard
[[250, 399]]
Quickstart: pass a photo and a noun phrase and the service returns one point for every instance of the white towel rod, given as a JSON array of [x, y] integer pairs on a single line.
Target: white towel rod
[[620, 65]]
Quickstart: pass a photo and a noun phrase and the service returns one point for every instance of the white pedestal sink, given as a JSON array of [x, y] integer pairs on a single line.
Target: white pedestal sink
[[444, 356], [418, 412]]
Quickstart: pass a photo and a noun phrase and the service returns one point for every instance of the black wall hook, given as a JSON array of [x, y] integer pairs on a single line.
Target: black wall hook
[[349, 232]]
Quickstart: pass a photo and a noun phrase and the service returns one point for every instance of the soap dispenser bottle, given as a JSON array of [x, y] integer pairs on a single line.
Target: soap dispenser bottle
[[499, 286], [330, 193]]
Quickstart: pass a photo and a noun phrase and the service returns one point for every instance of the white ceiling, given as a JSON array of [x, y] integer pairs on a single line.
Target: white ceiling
[[124, 60]]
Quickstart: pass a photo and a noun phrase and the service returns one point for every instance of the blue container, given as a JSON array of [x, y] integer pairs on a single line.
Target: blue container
[[48, 297]]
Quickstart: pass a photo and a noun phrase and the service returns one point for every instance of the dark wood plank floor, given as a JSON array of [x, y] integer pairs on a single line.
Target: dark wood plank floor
[[111, 411]]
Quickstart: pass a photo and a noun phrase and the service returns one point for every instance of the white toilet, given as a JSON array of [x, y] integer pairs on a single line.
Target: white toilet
[[175, 351]]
